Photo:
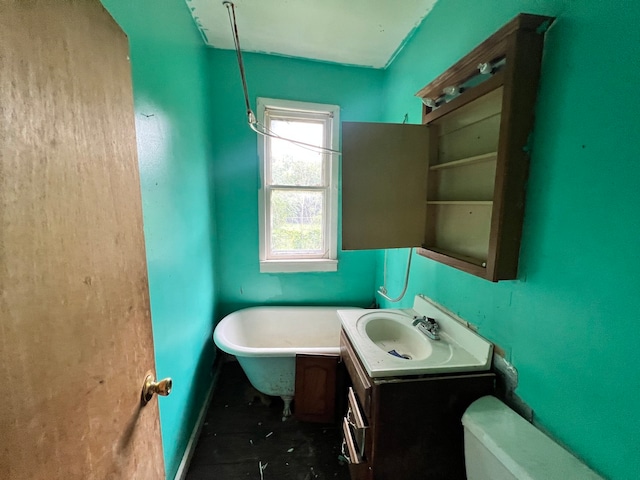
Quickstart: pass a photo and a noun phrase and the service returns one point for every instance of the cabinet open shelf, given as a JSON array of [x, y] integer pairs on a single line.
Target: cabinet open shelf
[[462, 171], [463, 182], [463, 229], [485, 157], [460, 202], [479, 262]]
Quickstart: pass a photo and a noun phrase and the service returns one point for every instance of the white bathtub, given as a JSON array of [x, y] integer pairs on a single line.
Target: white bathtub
[[265, 340]]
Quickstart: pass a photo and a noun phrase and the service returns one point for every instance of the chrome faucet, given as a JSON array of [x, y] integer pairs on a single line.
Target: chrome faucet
[[428, 326]]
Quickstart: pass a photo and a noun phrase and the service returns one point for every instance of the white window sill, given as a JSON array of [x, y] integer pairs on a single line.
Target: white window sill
[[295, 266]]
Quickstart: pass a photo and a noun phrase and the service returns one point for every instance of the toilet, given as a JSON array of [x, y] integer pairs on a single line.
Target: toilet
[[501, 445]]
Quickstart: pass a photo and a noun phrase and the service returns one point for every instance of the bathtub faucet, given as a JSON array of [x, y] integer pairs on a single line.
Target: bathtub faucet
[[428, 326]]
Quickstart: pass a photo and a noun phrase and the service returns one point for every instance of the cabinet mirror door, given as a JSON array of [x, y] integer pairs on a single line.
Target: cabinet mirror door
[[384, 185]]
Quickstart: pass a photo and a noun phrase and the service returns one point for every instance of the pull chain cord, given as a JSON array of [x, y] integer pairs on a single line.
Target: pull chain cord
[[251, 118]]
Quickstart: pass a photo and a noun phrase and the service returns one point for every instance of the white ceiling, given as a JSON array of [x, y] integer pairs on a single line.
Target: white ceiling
[[353, 32]]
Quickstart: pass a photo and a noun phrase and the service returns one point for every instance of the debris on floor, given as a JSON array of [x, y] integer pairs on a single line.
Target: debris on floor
[[235, 436], [262, 469]]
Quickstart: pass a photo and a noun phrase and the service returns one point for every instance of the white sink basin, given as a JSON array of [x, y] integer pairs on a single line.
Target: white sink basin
[[389, 345], [391, 332]]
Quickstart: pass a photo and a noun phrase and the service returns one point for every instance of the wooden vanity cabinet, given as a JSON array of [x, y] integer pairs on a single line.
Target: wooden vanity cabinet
[[455, 185], [407, 427]]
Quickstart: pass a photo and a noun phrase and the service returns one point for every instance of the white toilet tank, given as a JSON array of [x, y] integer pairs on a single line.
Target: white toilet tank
[[500, 445]]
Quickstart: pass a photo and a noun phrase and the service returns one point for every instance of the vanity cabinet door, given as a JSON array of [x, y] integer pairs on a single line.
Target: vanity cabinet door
[[316, 385]]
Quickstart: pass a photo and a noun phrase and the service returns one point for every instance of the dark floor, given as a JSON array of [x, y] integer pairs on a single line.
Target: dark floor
[[240, 433]]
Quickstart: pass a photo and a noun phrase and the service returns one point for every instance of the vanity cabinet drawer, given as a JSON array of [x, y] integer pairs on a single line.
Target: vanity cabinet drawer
[[359, 378], [356, 439], [357, 423], [350, 447]]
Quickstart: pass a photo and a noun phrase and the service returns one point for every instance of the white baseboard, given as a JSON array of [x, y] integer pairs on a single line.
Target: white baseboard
[[181, 474]]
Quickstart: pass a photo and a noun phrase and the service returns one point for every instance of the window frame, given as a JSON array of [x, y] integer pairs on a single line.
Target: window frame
[[327, 262]]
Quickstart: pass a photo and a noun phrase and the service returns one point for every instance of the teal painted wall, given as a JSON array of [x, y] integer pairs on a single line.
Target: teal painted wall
[[171, 94], [569, 323], [358, 92]]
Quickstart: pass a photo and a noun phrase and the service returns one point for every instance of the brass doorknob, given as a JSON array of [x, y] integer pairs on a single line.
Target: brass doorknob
[[150, 387]]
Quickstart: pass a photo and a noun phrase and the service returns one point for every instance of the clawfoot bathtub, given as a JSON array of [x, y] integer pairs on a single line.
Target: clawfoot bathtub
[[265, 340]]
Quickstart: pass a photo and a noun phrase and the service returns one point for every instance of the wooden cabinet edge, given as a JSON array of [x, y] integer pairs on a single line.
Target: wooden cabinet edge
[[466, 266], [361, 380], [489, 50], [496, 81]]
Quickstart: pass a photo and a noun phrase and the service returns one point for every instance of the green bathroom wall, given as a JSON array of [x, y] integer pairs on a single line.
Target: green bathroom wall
[[568, 323], [358, 92], [171, 97]]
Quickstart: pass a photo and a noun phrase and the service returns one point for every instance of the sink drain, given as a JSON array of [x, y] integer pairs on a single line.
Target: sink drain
[[399, 355]]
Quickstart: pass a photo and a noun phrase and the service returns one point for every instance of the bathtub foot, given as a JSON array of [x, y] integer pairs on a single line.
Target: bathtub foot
[[286, 413]]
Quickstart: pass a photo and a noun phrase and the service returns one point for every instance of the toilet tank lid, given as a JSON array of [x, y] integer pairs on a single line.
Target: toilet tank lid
[[523, 449]]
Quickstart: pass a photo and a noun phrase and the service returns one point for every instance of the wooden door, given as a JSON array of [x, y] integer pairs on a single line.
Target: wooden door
[[75, 327], [316, 387]]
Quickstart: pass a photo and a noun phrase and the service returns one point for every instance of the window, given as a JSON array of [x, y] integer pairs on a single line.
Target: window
[[299, 191]]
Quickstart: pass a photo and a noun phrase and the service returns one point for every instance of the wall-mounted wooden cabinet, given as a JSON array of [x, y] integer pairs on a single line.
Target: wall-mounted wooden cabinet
[[455, 185]]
